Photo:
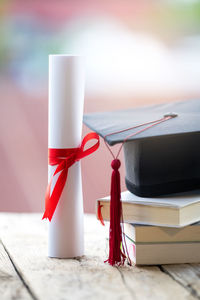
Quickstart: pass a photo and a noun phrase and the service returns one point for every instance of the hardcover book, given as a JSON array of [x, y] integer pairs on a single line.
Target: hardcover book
[[177, 210], [151, 245]]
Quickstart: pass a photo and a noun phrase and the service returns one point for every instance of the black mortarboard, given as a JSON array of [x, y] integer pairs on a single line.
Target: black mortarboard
[[162, 159]]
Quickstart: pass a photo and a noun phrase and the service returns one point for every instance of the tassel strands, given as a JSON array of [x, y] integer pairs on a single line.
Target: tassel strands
[[115, 240], [117, 244]]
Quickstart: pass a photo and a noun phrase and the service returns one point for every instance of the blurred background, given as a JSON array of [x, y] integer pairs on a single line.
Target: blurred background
[[138, 52]]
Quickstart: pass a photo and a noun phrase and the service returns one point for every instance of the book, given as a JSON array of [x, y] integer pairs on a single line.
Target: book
[[175, 210], [152, 253], [150, 245], [156, 234]]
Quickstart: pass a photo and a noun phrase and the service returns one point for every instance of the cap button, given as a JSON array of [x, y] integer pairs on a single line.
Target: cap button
[[171, 114]]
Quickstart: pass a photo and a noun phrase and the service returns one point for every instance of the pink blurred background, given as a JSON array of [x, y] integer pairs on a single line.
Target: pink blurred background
[[137, 53]]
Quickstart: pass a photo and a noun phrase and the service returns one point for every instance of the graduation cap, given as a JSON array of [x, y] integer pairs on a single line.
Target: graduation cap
[[161, 146]]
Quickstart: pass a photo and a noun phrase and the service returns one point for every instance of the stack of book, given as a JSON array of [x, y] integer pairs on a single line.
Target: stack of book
[[161, 230]]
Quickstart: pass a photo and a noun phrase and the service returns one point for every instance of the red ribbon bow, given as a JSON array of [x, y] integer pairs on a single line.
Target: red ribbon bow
[[64, 158]]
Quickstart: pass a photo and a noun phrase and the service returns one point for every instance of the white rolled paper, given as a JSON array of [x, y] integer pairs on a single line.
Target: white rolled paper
[[66, 98]]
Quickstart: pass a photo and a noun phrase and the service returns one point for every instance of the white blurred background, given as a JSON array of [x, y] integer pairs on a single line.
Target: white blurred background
[[138, 52]]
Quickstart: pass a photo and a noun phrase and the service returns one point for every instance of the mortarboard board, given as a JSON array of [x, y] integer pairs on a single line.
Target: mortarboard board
[[163, 159], [161, 146]]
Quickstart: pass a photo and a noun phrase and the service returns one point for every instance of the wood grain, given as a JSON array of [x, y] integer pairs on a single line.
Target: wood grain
[[11, 286], [87, 277], [188, 275]]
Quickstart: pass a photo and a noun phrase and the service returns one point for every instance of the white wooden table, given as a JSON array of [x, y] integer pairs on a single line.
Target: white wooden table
[[27, 273]]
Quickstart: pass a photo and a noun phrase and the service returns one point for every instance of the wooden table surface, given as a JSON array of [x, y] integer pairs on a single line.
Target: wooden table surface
[[27, 273]]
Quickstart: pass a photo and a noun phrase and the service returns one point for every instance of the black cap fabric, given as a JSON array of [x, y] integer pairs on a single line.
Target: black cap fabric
[[161, 160], [188, 121]]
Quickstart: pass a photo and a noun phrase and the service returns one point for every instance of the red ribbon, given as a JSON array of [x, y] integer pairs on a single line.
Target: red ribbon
[[99, 214], [64, 158]]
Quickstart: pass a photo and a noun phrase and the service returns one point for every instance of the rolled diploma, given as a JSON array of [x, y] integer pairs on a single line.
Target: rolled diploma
[[66, 98]]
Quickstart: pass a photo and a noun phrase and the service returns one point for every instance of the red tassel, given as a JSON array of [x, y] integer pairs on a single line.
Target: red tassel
[[116, 257]]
